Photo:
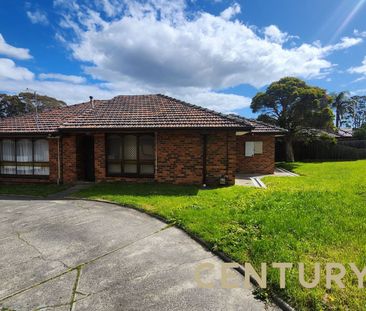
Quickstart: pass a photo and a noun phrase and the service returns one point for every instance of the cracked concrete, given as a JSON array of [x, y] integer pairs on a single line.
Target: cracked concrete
[[79, 255]]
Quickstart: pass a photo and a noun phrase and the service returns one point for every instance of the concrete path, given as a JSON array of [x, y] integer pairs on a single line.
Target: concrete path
[[255, 180], [78, 255]]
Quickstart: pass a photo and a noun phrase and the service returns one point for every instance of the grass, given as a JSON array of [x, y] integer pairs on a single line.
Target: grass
[[32, 189], [317, 217]]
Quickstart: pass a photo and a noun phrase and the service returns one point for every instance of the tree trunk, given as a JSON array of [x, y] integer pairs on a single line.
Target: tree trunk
[[337, 118], [289, 149]]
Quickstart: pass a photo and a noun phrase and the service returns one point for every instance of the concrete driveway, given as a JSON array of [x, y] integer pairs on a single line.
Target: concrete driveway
[[79, 255]]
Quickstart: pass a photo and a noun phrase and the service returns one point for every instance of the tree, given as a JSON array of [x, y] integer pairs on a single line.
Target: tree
[[292, 104], [14, 105], [360, 133], [358, 111], [342, 104]]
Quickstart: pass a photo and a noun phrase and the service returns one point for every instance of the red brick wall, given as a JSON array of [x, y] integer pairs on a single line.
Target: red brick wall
[[259, 163], [221, 156], [69, 169], [179, 157], [53, 156], [99, 157]]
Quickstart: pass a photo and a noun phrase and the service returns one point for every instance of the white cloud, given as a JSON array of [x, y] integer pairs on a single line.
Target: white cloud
[[274, 34], [11, 51], [10, 71], [358, 33], [360, 92], [158, 46], [62, 77], [217, 101], [231, 11], [360, 69], [38, 17], [346, 42], [161, 46], [69, 92]]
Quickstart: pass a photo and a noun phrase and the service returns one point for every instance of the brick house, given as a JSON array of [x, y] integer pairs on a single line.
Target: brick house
[[134, 138]]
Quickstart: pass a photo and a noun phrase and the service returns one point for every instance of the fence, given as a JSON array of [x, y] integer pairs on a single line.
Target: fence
[[324, 150]]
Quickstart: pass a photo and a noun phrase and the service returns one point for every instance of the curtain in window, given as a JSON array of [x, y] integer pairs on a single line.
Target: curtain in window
[[7, 154], [130, 154], [24, 155], [147, 153], [130, 147], [24, 150], [114, 154], [41, 155], [114, 147], [41, 150], [8, 148]]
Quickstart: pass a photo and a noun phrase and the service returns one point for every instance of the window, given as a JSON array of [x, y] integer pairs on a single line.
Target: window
[[24, 157], [130, 155], [253, 147]]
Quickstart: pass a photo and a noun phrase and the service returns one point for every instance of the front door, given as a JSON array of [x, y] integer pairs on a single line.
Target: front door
[[87, 157]]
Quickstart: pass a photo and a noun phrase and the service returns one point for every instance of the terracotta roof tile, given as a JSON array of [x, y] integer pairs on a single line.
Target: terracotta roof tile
[[127, 111], [260, 127]]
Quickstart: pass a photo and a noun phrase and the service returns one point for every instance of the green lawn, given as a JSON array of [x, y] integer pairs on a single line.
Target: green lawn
[[317, 217], [32, 189]]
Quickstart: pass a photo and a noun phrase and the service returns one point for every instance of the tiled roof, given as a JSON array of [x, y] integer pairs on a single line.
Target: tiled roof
[[260, 127], [43, 122], [125, 112], [345, 132]]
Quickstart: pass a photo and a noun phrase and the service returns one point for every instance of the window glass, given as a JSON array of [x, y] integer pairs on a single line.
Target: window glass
[[114, 168], [147, 169], [131, 154], [8, 150], [24, 169], [8, 169], [17, 157], [114, 147], [249, 148], [130, 147], [24, 150], [41, 151], [130, 168], [41, 170], [146, 143], [258, 147]]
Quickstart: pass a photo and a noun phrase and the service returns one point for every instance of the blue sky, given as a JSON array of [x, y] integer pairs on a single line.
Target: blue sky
[[217, 54]]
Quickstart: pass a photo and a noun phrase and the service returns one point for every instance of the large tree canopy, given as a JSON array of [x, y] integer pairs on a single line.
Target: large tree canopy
[[13, 105], [295, 106]]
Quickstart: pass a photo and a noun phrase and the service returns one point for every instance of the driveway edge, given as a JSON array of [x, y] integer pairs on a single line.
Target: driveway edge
[[274, 297]]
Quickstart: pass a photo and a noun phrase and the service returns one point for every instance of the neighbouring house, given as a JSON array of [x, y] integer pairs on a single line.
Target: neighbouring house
[[134, 138]]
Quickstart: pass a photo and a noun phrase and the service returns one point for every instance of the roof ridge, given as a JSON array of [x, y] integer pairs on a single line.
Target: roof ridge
[[267, 124], [87, 110], [200, 108]]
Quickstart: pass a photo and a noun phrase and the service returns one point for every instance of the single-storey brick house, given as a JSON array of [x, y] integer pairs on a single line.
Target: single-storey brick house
[[134, 138]]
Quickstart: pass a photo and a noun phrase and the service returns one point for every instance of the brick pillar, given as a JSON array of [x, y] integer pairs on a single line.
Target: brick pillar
[[99, 157], [53, 159], [69, 170], [221, 157], [231, 138]]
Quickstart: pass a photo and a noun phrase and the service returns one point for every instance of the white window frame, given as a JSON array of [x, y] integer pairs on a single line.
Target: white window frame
[[253, 147]]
